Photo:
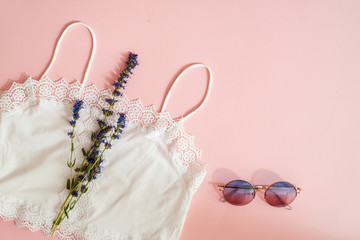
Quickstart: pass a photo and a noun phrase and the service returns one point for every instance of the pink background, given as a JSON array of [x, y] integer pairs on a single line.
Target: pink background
[[285, 102]]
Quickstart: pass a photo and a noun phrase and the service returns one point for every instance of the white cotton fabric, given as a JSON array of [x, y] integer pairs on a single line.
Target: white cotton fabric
[[147, 182]]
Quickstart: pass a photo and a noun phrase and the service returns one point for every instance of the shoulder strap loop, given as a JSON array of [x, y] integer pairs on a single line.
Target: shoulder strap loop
[[210, 79], [91, 56]]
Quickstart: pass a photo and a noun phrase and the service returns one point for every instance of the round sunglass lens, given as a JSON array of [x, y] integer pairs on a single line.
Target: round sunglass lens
[[280, 194], [239, 192]]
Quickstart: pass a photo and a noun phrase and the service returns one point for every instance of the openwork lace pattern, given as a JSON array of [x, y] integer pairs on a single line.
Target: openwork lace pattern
[[35, 218], [181, 145]]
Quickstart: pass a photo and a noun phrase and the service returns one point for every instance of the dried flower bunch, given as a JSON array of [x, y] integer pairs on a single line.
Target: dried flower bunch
[[81, 175]]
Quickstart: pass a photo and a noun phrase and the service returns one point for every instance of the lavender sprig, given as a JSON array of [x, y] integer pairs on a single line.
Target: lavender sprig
[[101, 141], [78, 105]]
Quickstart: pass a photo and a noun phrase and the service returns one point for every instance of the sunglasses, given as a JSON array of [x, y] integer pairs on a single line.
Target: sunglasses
[[278, 194]]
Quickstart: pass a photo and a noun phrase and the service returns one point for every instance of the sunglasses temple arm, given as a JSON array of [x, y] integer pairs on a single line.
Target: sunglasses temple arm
[[221, 189], [287, 206], [231, 193]]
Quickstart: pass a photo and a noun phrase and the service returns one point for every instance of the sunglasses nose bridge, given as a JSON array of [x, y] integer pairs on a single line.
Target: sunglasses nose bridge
[[260, 188]]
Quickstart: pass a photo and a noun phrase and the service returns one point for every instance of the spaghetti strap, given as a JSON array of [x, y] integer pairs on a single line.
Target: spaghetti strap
[[91, 56], [210, 80]]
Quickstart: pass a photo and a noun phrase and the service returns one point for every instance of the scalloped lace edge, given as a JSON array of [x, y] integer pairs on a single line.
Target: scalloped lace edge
[[23, 213]]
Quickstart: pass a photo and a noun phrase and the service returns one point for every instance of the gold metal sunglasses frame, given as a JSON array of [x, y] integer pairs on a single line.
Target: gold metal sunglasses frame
[[259, 188]]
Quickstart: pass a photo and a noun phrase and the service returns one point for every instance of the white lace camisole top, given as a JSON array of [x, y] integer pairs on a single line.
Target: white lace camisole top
[[148, 177]]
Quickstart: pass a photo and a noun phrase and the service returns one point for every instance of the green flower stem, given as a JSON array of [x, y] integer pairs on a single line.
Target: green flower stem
[[81, 193], [71, 166], [62, 212], [94, 164], [54, 226], [72, 188], [71, 154]]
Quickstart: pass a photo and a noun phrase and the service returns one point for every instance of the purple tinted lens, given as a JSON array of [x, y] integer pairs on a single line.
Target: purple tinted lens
[[239, 192], [280, 194]]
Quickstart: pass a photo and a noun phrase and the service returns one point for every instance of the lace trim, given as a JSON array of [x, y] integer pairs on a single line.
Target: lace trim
[[138, 115], [183, 150], [34, 217]]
